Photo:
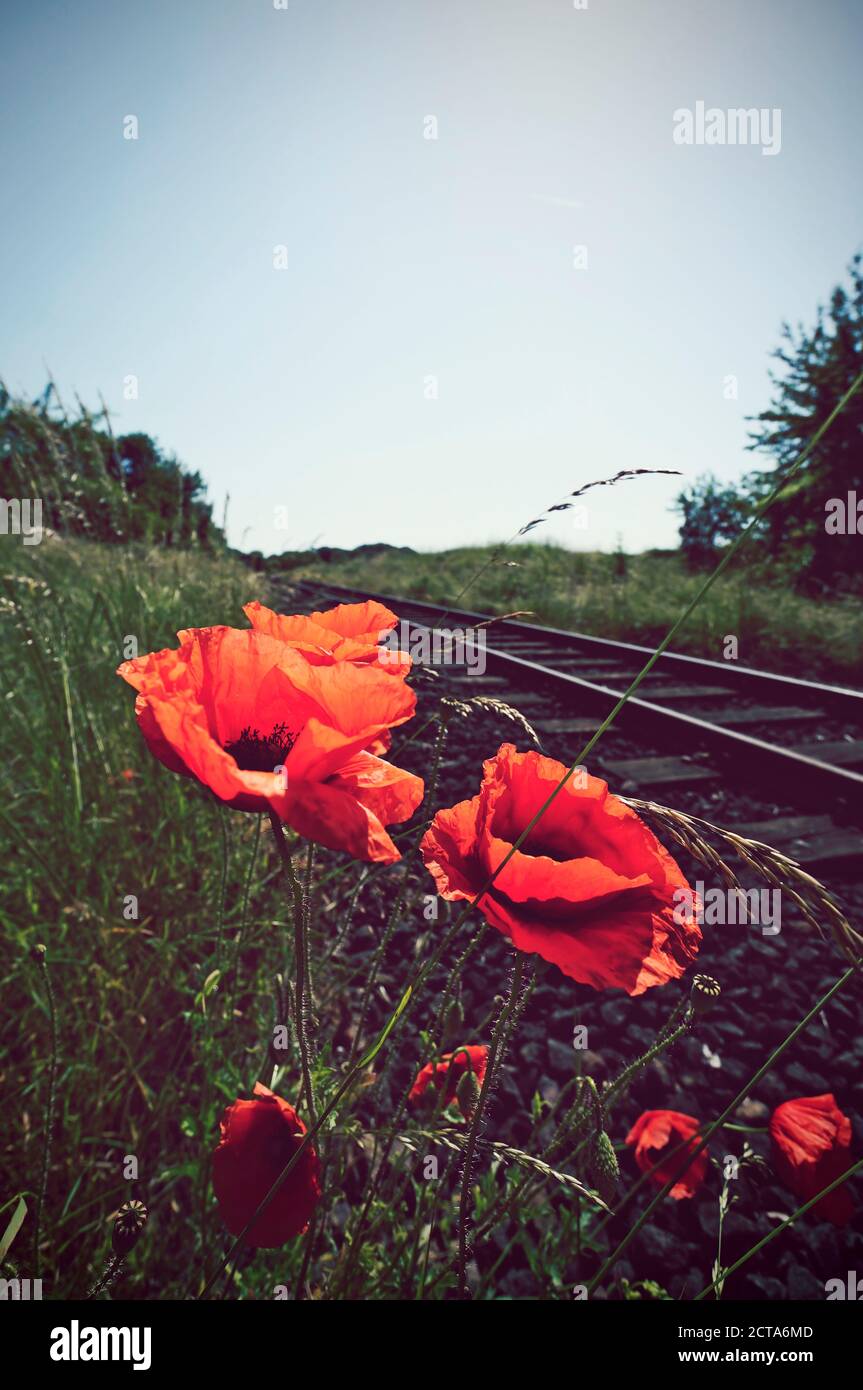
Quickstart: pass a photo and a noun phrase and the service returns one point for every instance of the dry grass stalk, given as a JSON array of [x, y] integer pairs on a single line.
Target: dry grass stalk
[[490, 705], [777, 869], [504, 617], [453, 1139]]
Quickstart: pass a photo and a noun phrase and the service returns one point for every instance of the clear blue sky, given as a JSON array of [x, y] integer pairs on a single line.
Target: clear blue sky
[[305, 389]]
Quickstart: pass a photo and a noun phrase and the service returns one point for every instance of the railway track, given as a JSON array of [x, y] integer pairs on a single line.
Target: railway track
[[692, 723]]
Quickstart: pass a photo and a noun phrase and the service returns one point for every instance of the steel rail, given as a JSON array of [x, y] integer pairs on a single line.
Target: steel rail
[[805, 780], [749, 679]]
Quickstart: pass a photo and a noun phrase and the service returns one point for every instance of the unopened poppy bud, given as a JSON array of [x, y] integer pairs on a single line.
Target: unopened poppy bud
[[704, 993], [604, 1168], [38, 953], [467, 1093], [128, 1225]]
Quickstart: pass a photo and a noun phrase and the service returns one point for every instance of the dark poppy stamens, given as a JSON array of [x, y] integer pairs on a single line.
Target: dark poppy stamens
[[256, 752]]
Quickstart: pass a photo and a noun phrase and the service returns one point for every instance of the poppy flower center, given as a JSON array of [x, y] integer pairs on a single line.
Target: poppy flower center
[[257, 752]]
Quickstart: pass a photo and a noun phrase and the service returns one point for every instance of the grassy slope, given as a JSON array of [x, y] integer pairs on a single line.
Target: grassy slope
[[776, 629], [143, 1069]]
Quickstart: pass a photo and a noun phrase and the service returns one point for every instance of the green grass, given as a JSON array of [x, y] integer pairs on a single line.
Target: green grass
[[632, 598], [136, 1046]]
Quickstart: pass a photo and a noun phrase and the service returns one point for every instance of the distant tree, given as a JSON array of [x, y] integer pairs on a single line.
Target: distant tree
[[94, 485], [713, 514], [818, 367]]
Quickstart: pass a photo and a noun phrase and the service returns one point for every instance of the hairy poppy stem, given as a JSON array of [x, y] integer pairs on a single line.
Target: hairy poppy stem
[[498, 1042], [437, 755], [627, 1075], [113, 1267], [40, 956], [300, 988]]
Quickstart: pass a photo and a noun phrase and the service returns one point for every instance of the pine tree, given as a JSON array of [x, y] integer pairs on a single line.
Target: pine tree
[[818, 367]]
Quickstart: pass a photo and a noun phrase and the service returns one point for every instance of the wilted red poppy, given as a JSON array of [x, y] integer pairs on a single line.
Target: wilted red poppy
[[811, 1147], [443, 1077], [659, 1130], [591, 890], [348, 632], [229, 707], [259, 1137]]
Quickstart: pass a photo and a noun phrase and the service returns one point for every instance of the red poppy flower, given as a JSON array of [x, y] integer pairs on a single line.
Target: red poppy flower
[[591, 890], [657, 1130], [348, 632], [443, 1076], [259, 1137], [811, 1147], [229, 707]]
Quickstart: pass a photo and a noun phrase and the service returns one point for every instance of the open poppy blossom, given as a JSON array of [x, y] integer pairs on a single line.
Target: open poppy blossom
[[658, 1130], [591, 890], [348, 632], [440, 1080], [264, 729], [259, 1137], [811, 1140]]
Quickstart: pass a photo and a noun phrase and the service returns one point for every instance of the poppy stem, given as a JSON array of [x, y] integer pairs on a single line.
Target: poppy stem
[[300, 987], [509, 1011], [437, 755], [629, 1072], [113, 1267]]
